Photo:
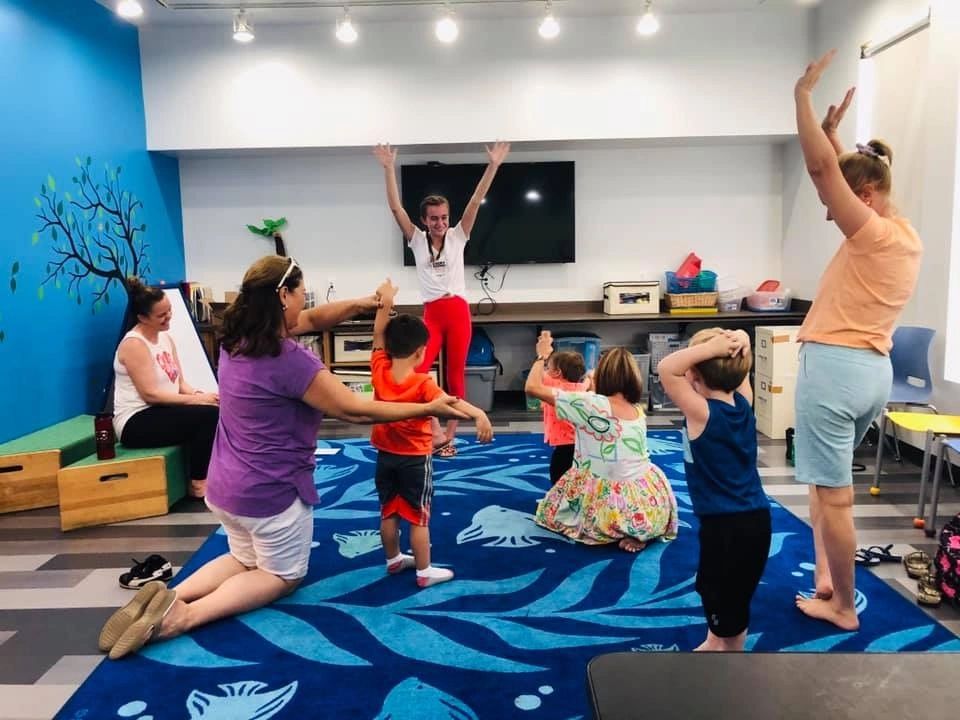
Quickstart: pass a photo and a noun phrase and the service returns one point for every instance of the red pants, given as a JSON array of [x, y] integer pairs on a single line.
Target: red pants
[[448, 320]]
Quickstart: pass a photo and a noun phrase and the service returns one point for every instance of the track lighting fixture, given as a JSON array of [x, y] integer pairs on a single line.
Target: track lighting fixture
[[242, 28], [549, 27], [346, 32], [648, 24]]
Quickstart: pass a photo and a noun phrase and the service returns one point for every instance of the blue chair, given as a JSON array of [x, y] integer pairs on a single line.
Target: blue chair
[[912, 380]]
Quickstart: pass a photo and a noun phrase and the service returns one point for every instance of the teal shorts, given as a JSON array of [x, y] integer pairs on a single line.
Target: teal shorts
[[840, 392]]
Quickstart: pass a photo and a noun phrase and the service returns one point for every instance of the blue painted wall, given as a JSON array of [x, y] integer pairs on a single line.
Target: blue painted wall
[[73, 143]]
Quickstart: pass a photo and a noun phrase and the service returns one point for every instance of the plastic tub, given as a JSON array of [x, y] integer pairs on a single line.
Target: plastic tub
[[732, 300], [777, 301], [706, 281], [481, 380], [587, 346]]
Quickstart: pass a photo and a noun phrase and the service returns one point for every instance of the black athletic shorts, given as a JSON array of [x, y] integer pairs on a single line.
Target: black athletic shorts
[[405, 485], [733, 554]]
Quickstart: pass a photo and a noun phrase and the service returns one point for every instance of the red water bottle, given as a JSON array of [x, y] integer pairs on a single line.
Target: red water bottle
[[104, 435]]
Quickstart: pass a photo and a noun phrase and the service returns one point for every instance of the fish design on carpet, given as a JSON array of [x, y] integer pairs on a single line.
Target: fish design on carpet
[[656, 647], [414, 699], [357, 542], [245, 700], [505, 528]]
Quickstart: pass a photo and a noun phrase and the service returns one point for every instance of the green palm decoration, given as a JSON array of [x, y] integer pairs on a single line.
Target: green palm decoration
[[271, 228]]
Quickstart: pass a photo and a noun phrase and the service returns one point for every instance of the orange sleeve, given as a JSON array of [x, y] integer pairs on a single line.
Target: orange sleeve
[[379, 366], [430, 391]]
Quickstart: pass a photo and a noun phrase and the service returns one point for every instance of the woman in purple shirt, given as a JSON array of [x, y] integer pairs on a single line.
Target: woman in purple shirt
[[273, 395]]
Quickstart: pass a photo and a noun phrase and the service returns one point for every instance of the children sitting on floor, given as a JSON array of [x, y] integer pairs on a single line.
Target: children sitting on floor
[[565, 370], [710, 383], [404, 473]]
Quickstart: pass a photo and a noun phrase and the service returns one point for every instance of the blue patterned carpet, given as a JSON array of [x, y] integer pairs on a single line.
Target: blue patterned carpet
[[509, 638]]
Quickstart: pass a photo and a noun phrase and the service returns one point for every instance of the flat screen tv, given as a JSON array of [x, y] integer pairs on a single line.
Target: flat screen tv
[[527, 216]]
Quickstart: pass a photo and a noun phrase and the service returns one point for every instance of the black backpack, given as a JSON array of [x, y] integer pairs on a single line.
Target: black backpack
[[947, 562]]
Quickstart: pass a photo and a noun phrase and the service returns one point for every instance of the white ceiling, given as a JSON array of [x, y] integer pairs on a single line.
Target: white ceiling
[[179, 12]]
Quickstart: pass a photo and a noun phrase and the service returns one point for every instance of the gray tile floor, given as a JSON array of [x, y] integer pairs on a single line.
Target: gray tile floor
[[56, 589]]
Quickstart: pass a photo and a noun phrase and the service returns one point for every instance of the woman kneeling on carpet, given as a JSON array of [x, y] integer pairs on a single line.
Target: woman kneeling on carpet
[[613, 493], [273, 394]]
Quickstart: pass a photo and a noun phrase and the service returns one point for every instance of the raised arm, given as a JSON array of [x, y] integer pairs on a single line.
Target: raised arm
[[844, 207], [386, 292], [673, 375], [387, 157], [328, 315], [497, 154], [833, 118], [534, 386]]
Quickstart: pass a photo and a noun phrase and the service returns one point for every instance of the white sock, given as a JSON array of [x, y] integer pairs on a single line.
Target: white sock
[[431, 571]]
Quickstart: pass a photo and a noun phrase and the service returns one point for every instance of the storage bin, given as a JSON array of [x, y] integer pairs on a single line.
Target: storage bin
[[631, 298], [481, 380], [704, 281], [359, 381], [776, 301], [732, 300], [352, 347], [643, 364], [774, 406], [776, 351], [659, 349], [588, 346]]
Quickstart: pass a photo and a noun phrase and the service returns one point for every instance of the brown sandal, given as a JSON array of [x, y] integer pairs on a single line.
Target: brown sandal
[[917, 564], [927, 591]]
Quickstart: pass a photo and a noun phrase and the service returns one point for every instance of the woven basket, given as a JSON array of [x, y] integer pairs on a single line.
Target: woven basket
[[692, 300]]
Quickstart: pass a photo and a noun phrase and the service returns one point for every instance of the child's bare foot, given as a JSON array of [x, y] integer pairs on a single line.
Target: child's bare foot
[[825, 610], [632, 545], [824, 591]]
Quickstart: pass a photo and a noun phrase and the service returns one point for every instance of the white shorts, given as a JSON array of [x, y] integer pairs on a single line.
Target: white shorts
[[279, 544]]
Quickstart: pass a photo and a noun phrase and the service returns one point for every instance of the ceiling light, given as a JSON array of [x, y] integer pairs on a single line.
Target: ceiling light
[[446, 29], [346, 32], [549, 27], [242, 28], [648, 24], [129, 9], [533, 196]]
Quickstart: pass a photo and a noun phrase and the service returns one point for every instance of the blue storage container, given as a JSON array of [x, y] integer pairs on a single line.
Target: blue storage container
[[588, 346]]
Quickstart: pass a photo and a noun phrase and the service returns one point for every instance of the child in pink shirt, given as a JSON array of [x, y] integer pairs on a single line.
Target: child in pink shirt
[[565, 371]]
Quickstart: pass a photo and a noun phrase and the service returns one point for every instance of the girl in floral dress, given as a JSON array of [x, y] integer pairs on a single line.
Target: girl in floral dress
[[613, 493]]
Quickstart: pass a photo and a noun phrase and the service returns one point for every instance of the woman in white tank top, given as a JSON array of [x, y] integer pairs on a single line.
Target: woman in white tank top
[[154, 405]]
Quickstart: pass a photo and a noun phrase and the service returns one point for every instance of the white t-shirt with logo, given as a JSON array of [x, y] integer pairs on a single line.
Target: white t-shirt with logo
[[440, 274]]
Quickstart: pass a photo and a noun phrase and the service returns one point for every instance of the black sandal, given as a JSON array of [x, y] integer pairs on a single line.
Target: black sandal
[[884, 553], [865, 557]]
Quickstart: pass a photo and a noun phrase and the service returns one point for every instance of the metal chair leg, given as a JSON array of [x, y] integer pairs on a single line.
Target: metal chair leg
[[927, 446], [930, 526], [896, 445], [881, 425]]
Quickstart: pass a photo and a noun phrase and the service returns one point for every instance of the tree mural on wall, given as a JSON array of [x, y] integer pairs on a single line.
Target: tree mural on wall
[[95, 239]]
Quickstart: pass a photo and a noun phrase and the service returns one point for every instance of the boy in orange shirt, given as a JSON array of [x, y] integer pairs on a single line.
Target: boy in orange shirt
[[404, 474], [565, 370]]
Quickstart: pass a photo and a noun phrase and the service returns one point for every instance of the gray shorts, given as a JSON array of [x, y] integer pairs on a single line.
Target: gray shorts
[[840, 392]]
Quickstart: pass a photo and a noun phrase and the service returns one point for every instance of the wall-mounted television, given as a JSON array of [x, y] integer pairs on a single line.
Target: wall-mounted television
[[527, 216]]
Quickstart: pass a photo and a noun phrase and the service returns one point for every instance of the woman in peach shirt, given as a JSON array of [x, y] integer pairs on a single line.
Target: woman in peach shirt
[[845, 373]]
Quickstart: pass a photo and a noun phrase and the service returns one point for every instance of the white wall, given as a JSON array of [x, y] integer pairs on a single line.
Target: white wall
[[809, 241], [709, 75], [639, 211]]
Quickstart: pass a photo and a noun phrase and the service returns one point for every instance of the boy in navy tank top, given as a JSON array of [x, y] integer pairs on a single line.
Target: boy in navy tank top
[[709, 382]]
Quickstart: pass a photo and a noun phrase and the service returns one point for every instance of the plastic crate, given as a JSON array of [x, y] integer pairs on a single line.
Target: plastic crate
[[705, 281], [481, 380], [588, 347], [659, 350]]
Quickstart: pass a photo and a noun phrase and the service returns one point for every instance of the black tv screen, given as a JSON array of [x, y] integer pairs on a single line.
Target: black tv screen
[[527, 216]]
